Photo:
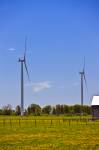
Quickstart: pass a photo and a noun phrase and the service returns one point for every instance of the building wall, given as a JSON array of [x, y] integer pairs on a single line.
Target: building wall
[[95, 111]]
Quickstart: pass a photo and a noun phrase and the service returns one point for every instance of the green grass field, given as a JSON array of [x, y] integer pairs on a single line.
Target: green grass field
[[48, 133]]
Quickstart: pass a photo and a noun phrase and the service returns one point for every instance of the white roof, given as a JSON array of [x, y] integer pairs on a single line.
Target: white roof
[[95, 100]]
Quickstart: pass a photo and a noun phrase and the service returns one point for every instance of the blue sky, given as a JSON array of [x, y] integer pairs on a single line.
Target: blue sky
[[60, 33]]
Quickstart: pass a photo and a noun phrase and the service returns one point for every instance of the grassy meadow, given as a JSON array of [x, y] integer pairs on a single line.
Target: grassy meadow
[[48, 133]]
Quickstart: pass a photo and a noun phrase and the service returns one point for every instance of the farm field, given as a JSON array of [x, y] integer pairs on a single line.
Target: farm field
[[48, 133]]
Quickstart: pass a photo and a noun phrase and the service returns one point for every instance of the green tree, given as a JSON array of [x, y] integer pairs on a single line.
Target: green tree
[[47, 109], [34, 109], [71, 110], [58, 109], [7, 110], [1, 112], [18, 110], [77, 109], [86, 110], [66, 109], [53, 110], [62, 109]]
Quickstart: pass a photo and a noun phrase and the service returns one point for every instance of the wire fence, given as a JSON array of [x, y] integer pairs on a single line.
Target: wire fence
[[46, 122], [41, 125], [52, 147]]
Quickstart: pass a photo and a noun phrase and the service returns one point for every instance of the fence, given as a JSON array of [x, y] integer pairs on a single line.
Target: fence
[[48, 134], [67, 147], [46, 122]]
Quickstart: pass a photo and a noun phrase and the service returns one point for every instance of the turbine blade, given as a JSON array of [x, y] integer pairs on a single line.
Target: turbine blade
[[26, 70], [25, 47], [84, 65], [85, 82]]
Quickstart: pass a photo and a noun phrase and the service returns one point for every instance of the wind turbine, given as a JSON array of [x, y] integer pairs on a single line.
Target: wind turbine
[[83, 78], [23, 64]]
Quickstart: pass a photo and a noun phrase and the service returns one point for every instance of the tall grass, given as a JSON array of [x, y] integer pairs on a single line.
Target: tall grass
[[53, 133]]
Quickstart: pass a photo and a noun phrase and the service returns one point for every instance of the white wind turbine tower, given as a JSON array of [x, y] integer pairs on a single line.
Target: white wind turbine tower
[[83, 78], [23, 65]]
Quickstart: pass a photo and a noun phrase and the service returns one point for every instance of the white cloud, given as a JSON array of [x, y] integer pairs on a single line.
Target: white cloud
[[11, 49], [40, 86]]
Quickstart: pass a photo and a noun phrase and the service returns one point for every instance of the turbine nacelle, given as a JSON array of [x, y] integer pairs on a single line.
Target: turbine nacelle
[[82, 73], [21, 60]]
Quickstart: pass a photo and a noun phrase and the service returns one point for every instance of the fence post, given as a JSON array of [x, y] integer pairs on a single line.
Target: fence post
[[86, 121], [19, 122], [4, 122], [10, 122], [69, 122], [35, 122], [51, 121]]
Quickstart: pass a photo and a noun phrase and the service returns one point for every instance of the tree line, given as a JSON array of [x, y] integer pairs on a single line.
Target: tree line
[[37, 110]]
